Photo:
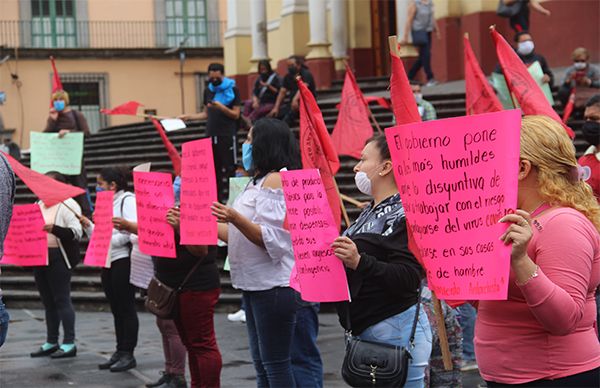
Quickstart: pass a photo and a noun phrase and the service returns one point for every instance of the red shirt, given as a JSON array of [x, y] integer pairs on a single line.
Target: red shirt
[[591, 169]]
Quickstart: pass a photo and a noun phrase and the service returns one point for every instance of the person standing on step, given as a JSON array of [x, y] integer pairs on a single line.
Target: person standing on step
[[7, 198], [53, 281], [421, 23], [115, 280], [222, 113], [63, 120]]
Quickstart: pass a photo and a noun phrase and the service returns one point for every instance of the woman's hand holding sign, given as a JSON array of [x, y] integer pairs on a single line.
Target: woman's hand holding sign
[[345, 249]]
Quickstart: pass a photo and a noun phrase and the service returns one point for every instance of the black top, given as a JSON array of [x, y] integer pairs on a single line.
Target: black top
[[528, 60], [388, 276], [172, 271], [291, 85], [218, 124], [266, 96]]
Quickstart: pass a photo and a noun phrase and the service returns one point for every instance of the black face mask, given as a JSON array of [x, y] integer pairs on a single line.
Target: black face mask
[[264, 76], [215, 81], [591, 132], [292, 70]]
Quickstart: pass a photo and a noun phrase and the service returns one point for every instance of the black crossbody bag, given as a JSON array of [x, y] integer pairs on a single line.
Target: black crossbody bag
[[376, 364]]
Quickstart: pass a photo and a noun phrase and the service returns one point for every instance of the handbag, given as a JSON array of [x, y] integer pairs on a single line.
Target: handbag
[[420, 37], [162, 299], [376, 364], [508, 11]]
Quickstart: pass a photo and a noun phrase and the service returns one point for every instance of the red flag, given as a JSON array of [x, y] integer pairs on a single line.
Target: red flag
[[521, 84], [353, 128], [480, 96], [128, 108], [569, 107], [317, 149], [381, 101], [403, 101], [56, 84], [50, 191], [171, 150]]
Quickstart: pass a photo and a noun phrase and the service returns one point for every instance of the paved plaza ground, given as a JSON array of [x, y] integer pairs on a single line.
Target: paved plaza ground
[[95, 343]]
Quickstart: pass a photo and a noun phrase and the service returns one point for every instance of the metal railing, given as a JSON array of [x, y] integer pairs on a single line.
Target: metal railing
[[110, 34]]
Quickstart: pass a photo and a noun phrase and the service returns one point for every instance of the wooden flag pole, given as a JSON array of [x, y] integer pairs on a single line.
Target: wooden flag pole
[[147, 116], [443, 336], [72, 211], [344, 212], [351, 200]]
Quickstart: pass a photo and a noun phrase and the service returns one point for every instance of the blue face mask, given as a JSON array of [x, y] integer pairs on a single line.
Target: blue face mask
[[177, 188], [59, 105], [247, 156], [100, 189]]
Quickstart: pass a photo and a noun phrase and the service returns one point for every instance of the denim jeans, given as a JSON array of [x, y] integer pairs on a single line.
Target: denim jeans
[[424, 61], [306, 358], [4, 318], [395, 330], [271, 321], [466, 317]]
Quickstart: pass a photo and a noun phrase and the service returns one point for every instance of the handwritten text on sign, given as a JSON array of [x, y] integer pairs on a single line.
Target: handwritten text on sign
[[51, 153], [321, 274], [154, 197], [457, 177], [98, 249], [26, 243], [198, 192]]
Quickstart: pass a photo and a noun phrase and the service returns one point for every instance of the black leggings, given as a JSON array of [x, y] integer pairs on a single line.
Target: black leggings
[[590, 378], [121, 296], [54, 284]]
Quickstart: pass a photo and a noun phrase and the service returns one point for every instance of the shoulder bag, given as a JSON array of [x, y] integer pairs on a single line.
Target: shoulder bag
[[376, 364], [508, 11], [162, 299]]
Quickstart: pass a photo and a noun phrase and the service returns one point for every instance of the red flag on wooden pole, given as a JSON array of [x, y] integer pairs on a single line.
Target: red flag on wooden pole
[[480, 96], [403, 102], [128, 108], [520, 83], [317, 149], [171, 150], [56, 83], [352, 129], [569, 107], [50, 191]]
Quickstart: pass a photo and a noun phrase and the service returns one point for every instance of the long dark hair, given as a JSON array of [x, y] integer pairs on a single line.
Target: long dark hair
[[57, 176], [118, 174], [274, 147], [266, 64]]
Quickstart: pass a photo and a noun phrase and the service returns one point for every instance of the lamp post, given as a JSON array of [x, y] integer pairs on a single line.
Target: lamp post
[[172, 50]]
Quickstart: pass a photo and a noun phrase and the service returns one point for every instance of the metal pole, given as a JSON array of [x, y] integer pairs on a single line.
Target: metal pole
[[181, 62]]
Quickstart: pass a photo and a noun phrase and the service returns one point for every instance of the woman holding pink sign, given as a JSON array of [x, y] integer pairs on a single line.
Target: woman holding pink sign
[[383, 275], [544, 335]]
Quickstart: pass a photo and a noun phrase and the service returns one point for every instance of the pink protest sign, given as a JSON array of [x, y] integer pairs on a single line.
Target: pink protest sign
[[198, 192], [154, 197], [457, 177], [320, 274], [26, 243], [98, 250]]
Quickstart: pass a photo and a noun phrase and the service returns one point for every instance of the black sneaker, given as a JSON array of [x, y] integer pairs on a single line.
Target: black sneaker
[[164, 379], [116, 356], [62, 354], [42, 353], [126, 362]]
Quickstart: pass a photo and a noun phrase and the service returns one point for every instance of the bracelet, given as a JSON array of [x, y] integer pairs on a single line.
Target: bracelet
[[531, 277]]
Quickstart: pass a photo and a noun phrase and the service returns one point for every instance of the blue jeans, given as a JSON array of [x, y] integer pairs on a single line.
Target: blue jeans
[[306, 358], [271, 321], [395, 330], [4, 318], [424, 61], [466, 317]]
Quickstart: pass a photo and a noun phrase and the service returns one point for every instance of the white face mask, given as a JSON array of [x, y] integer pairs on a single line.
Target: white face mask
[[418, 97], [580, 65], [525, 48], [363, 183]]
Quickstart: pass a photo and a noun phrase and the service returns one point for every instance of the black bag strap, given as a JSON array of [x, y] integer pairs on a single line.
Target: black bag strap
[[189, 275], [123, 201], [411, 340]]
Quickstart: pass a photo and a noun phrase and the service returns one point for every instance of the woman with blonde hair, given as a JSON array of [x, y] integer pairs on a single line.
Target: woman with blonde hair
[[544, 334]]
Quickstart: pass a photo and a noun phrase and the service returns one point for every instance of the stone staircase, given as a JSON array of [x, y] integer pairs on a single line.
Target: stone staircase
[[138, 143]]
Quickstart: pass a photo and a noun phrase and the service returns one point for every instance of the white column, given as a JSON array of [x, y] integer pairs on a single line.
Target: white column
[[238, 22], [258, 26], [401, 20], [339, 19], [317, 14]]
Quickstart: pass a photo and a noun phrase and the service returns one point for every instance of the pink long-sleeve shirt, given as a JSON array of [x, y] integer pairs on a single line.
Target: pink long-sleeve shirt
[[546, 328]]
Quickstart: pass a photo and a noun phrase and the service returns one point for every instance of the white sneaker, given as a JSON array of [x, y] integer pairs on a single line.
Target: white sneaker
[[239, 316]]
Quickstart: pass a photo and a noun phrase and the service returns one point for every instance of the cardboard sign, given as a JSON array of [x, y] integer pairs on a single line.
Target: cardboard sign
[[535, 69], [154, 197], [198, 192], [26, 243], [98, 250], [172, 124], [51, 153], [457, 177], [320, 274]]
